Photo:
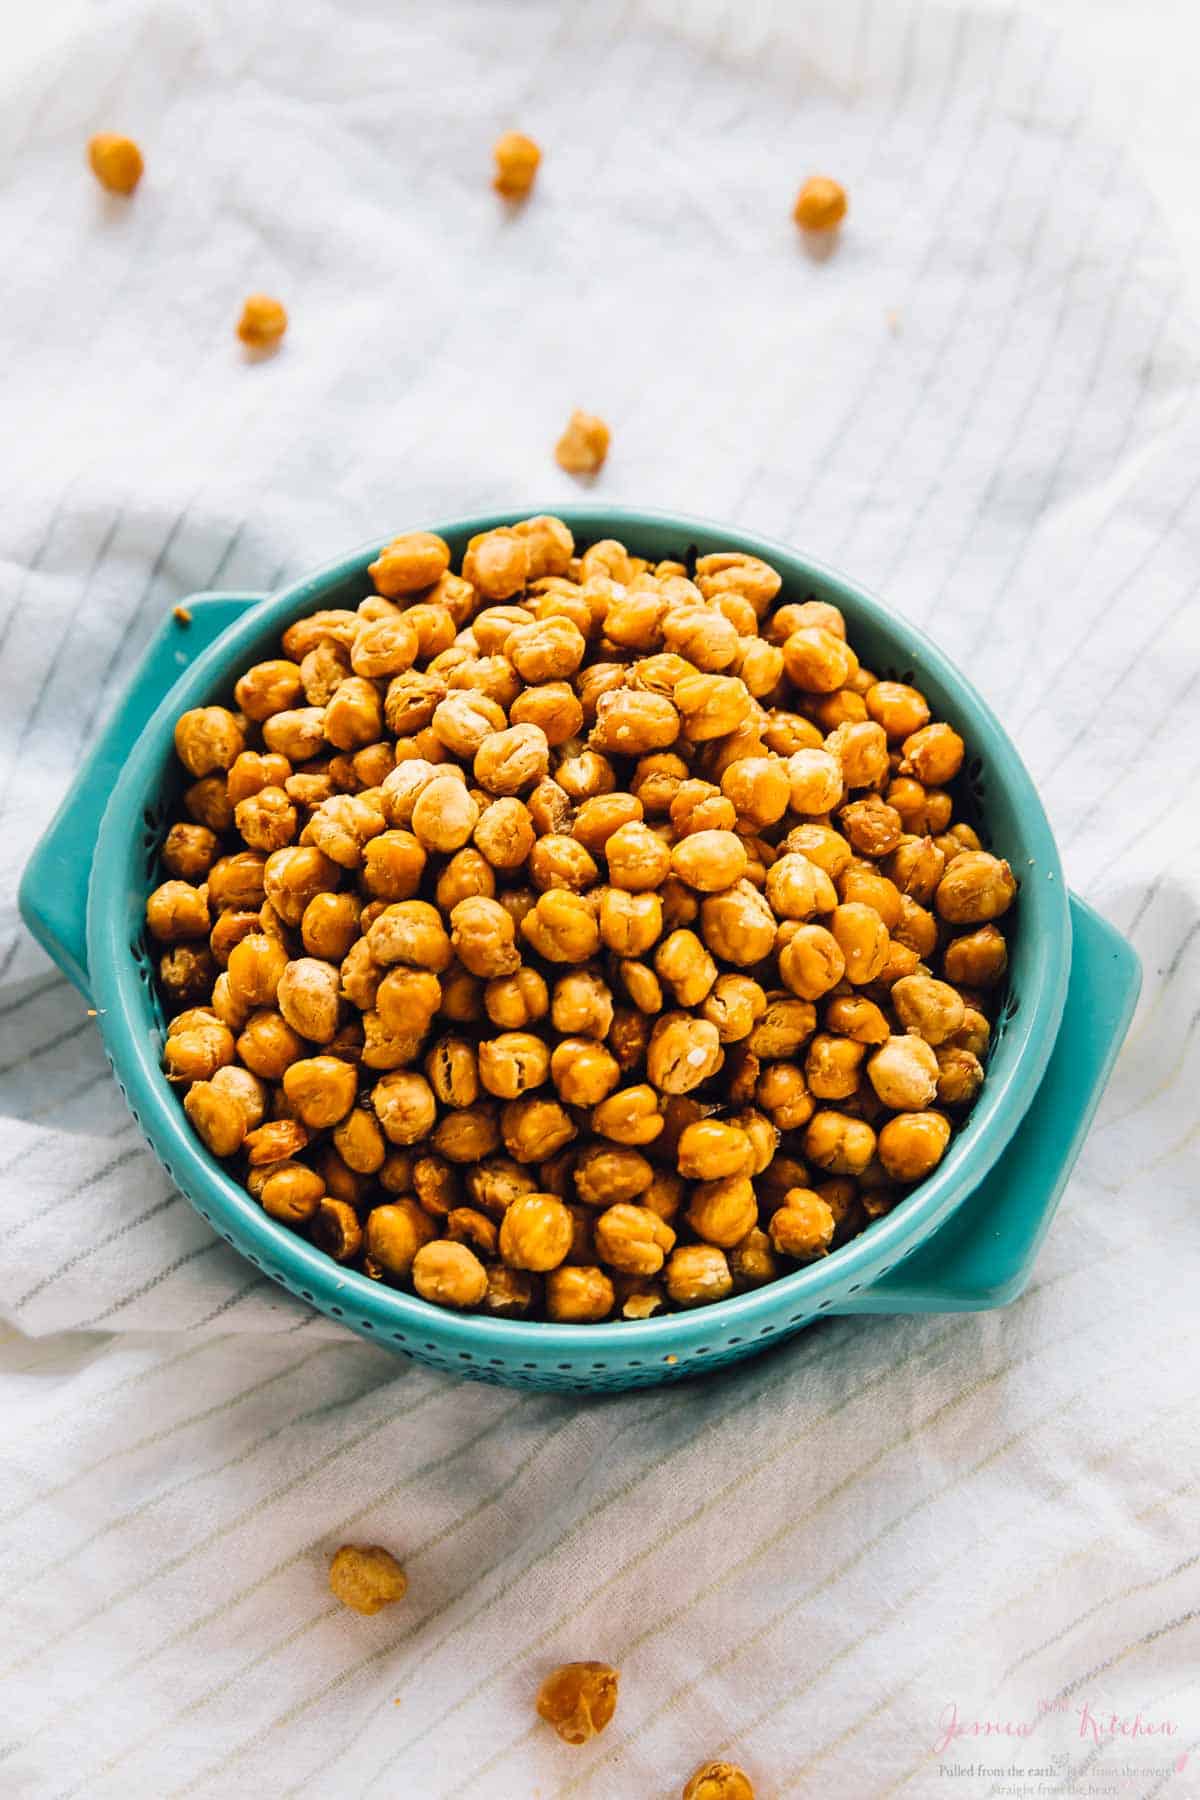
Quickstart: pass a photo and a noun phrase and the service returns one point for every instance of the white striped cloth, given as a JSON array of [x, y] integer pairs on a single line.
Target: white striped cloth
[[984, 405]]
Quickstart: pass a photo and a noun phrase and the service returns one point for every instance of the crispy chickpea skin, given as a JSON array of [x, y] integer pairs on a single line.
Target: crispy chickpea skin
[[366, 1578], [719, 1781], [579, 1699], [533, 914]]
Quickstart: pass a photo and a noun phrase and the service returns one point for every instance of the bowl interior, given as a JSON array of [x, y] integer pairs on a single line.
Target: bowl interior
[[995, 793]]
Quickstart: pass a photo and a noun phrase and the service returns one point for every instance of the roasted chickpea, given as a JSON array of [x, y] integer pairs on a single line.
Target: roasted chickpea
[[177, 911], [513, 1063], [820, 207], [633, 1239], [913, 1144], [838, 1143], [320, 1090], [759, 787], [738, 925], [629, 1116], [277, 1141], [975, 889], [933, 754], [409, 563], [583, 1072], [216, 1118], [638, 860], [862, 938], [697, 1274], [633, 721], [535, 1233], [903, 1073], [578, 1295], [604, 1174], [583, 446], [734, 1005], [504, 833], [932, 1009], [782, 1092], [208, 738], [854, 1016], [683, 1052], [831, 1066], [811, 962], [511, 1293], [535, 1128], [449, 1274], [562, 927], [803, 1226], [977, 959], [516, 1000], [712, 706], [189, 851], [412, 932], [860, 749]]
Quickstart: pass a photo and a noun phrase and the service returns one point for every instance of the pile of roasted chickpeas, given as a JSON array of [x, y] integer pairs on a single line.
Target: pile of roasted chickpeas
[[573, 936]]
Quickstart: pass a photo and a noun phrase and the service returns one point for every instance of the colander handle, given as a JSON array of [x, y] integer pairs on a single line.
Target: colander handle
[[984, 1253], [54, 887]]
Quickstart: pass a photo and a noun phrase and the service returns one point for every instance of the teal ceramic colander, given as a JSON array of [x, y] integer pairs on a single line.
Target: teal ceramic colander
[[965, 1239]]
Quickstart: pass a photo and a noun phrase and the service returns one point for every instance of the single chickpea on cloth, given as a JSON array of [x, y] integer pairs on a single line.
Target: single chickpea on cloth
[[579, 1699], [367, 1579], [719, 1781], [573, 935], [262, 323], [583, 446], [115, 161], [820, 205], [517, 158]]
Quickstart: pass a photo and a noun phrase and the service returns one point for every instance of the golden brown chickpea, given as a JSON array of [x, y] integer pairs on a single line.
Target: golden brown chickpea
[[731, 571], [514, 1001], [558, 861], [820, 207], [197, 1053], [641, 984], [977, 959], [412, 932], [236, 882], [449, 1274], [803, 1226], [752, 1262], [722, 1212], [734, 1005], [975, 889], [444, 815], [438, 1185], [545, 650], [329, 926], [367, 1578], [292, 1193], [838, 1143], [189, 851], [712, 706], [862, 939], [582, 777], [115, 161], [701, 806], [550, 545], [933, 754], [783, 1094], [404, 1105], [583, 446], [453, 1070], [786, 1023], [632, 721], [208, 738], [511, 1293], [697, 1274], [738, 925], [759, 787], [854, 1016], [553, 708], [583, 1072], [359, 1141], [629, 1116], [504, 834], [831, 1066], [628, 1036], [657, 780], [268, 1045], [468, 1134], [216, 1118], [633, 1239], [466, 1226], [901, 710], [496, 563], [630, 924], [267, 820], [409, 563], [325, 666], [291, 877], [298, 733], [578, 1295], [862, 884], [604, 1174], [386, 646], [960, 1076], [821, 845], [177, 911], [535, 1128], [683, 1053], [517, 158], [816, 661], [320, 1090], [394, 1234], [872, 827], [814, 781], [932, 1009], [307, 996], [638, 860], [511, 761], [860, 749], [798, 888], [916, 866], [811, 962], [535, 1233], [912, 1145], [405, 998], [701, 634], [277, 1141], [713, 1151], [562, 928], [354, 714], [709, 860], [684, 964], [903, 1073], [513, 1063], [786, 732], [336, 1230], [262, 323]]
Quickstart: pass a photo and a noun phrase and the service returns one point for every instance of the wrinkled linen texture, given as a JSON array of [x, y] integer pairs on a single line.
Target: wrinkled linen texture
[[983, 405]]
